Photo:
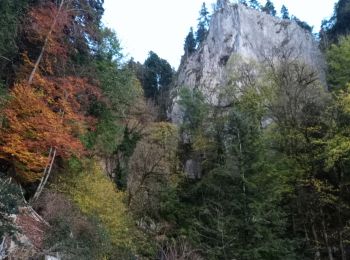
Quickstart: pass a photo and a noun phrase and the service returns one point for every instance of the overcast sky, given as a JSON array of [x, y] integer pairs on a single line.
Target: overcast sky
[[162, 25]]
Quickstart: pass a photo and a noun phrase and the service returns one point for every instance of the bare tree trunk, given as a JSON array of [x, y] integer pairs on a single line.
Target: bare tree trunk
[[47, 171], [242, 172], [341, 246], [340, 222], [306, 234], [325, 235], [45, 177], [36, 66], [318, 253]]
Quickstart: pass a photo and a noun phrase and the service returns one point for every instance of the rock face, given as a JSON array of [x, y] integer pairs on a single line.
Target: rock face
[[253, 35], [239, 31]]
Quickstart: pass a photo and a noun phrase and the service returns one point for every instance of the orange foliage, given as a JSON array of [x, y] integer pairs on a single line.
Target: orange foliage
[[40, 20], [49, 113], [31, 128]]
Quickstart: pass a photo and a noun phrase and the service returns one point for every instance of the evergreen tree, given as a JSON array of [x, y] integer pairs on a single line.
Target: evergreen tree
[[157, 76], [190, 43], [10, 19], [11, 199], [243, 2], [269, 8], [204, 15], [339, 24], [236, 203], [302, 24], [254, 4], [220, 4], [285, 12], [203, 25]]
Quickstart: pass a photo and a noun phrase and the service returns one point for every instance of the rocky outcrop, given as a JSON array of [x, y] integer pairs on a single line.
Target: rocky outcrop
[[239, 33], [250, 34]]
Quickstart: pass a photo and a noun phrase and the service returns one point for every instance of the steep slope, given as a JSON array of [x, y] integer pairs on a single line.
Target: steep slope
[[236, 30]]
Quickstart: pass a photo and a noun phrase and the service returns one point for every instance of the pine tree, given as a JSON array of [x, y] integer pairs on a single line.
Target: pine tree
[[285, 12], [339, 23], [302, 24], [203, 25], [254, 4], [10, 19], [204, 15], [157, 76], [269, 8], [190, 43]]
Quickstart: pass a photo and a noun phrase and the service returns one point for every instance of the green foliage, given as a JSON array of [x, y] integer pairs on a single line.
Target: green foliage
[[190, 43], [338, 25], [108, 133], [157, 76], [338, 59], [302, 24], [73, 234], [234, 210], [118, 83], [120, 89], [203, 25], [10, 19], [3, 99], [338, 143], [269, 8], [79, 238], [152, 170], [255, 4], [96, 196], [285, 12], [193, 107], [10, 200]]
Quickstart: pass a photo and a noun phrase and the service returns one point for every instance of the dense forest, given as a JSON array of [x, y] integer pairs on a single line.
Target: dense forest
[[91, 166]]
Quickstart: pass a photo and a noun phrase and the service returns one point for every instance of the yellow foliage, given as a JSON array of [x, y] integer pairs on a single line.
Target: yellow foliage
[[97, 196], [163, 133], [344, 99], [201, 143]]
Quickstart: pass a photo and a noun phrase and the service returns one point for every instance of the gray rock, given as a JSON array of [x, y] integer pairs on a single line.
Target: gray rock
[[193, 169], [239, 31], [250, 34]]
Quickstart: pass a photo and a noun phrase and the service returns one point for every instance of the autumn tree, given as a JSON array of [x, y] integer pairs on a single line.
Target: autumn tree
[[96, 196], [153, 170], [45, 115]]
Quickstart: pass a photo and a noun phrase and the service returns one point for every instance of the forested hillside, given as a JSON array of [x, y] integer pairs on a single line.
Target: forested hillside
[[92, 166]]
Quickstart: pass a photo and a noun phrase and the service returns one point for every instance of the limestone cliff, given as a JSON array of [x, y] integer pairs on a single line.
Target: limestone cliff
[[253, 35]]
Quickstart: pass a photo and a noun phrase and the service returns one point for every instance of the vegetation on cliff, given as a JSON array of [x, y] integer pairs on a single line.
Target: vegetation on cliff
[[85, 142]]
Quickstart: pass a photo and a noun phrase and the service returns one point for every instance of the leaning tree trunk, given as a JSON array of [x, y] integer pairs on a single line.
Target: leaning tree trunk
[[53, 150], [46, 42], [46, 175]]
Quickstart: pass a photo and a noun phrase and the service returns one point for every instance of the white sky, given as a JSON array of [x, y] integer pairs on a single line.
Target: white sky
[[162, 25]]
